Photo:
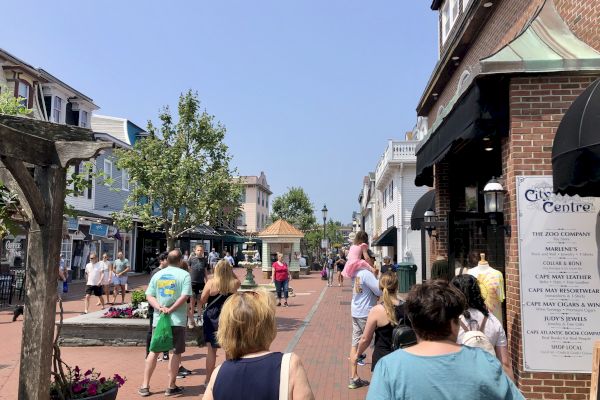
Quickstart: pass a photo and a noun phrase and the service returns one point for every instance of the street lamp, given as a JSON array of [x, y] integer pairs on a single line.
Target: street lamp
[[324, 212], [430, 221]]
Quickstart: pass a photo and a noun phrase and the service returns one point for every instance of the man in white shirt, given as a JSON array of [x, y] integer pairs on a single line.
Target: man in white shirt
[[95, 275], [229, 259]]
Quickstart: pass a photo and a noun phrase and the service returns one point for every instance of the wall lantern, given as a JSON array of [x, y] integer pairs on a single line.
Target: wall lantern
[[429, 222], [493, 198]]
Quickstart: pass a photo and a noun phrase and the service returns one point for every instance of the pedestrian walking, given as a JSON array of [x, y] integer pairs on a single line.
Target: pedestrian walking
[[213, 258], [121, 268], [107, 268], [168, 292], [387, 265], [478, 318], [364, 296], [358, 256], [340, 263], [186, 255], [281, 279], [229, 259], [247, 328], [94, 275], [62, 278], [223, 284], [437, 367], [330, 269], [198, 264], [382, 320]]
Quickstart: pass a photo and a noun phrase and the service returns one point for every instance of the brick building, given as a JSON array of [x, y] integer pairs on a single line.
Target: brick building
[[508, 71]]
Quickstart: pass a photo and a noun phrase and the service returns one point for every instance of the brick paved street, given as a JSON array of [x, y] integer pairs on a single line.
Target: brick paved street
[[322, 343]]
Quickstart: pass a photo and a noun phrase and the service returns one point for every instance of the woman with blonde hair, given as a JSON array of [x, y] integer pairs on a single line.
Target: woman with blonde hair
[[223, 284], [382, 319], [246, 330]]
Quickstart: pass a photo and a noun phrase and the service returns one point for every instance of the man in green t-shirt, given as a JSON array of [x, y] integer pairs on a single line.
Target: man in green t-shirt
[[168, 292], [121, 268]]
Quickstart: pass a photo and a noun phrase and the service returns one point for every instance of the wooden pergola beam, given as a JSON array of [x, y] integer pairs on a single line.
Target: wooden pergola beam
[[25, 148], [30, 191]]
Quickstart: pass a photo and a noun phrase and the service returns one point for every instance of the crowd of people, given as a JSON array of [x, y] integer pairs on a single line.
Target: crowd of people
[[442, 332]]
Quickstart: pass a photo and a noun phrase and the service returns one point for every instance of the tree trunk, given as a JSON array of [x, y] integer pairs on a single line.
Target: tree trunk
[[43, 253], [170, 242]]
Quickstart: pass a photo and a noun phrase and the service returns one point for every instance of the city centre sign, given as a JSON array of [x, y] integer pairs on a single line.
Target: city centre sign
[[559, 275]]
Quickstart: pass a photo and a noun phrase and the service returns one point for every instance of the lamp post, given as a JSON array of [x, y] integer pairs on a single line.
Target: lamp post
[[493, 199], [324, 212]]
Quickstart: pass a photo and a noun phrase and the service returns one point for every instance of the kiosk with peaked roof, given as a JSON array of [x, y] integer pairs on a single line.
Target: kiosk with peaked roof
[[282, 237]]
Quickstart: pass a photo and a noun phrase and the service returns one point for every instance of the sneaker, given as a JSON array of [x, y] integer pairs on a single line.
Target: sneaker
[[165, 356], [285, 304], [173, 391], [184, 371], [360, 360], [180, 376], [357, 383], [191, 324], [144, 392]]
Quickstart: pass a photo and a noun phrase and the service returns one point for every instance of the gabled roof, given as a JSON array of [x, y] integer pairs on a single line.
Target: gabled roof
[[281, 228]]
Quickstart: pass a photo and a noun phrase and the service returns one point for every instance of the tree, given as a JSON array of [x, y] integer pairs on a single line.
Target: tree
[[181, 178], [295, 207], [11, 105]]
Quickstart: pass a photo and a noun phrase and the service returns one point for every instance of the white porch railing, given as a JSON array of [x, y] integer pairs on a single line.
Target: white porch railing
[[396, 151]]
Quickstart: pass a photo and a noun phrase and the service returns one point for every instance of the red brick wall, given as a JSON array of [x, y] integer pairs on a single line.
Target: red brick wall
[[505, 23], [583, 18], [537, 105], [442, 207]]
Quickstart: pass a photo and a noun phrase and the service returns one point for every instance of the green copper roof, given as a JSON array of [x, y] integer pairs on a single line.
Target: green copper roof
[[546, 44]]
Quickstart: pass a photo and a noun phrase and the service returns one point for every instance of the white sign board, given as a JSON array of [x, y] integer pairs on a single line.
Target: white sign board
[[560, 282]]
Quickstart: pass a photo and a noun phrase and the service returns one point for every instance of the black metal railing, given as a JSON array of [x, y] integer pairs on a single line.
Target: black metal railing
[[12, 288]]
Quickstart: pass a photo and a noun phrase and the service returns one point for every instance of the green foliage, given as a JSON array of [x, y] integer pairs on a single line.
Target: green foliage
[[137, 297], [11, 105], [296, 208], [180, 174], [9, 207]]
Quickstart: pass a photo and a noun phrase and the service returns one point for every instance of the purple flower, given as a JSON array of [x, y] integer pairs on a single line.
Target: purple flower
[[92, 390], [102, 380], [88, 372], [77, 388], [120, 381]]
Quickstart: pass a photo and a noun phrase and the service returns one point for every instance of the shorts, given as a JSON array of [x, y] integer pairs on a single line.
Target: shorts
[[93, 289], [178, 339], [119, 280], [358, 327], [340, 268], [197, 287]]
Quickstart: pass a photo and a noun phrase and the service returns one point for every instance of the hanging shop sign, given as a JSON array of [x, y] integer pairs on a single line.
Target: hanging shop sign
[[72, 224], [99, 230], [559, 274]]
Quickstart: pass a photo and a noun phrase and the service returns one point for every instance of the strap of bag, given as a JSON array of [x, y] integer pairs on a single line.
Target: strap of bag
[[284, 376], [462, 324], [214, 301], [482, 327]]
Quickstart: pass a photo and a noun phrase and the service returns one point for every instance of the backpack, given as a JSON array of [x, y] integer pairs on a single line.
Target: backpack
[[476, 338], [403, 335]]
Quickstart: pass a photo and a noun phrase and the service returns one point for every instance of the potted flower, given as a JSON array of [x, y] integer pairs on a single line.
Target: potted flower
[[69, 383], [89, 385]]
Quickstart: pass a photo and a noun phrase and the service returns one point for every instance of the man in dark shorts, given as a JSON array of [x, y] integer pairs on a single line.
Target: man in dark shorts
[[168, 292], [95, 275], [198, 264]]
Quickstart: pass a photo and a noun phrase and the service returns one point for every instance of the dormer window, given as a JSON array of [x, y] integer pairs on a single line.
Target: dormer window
[[83, 119], [57, 109], [23, 91], [450, 10]]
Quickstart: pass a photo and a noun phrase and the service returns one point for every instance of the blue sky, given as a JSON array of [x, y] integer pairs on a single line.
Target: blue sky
[[309, 90]]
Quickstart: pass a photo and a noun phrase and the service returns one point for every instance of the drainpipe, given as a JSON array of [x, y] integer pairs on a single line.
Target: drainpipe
[[400, 227]]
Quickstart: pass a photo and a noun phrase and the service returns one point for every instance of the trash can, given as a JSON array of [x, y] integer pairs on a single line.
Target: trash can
[[407, 276]]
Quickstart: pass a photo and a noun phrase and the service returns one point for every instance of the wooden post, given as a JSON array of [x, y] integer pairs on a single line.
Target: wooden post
[[43, 252], [594, 390]]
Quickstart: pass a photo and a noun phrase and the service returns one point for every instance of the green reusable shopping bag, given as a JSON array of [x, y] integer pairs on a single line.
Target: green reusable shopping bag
[[162, 336]]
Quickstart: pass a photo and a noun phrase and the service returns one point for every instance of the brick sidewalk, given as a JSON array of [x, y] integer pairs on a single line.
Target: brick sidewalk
[[322, 343]]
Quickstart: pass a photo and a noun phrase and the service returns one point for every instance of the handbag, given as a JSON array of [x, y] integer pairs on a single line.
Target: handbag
[[65, 287], [403, 336], [200, 320], [162, 336]]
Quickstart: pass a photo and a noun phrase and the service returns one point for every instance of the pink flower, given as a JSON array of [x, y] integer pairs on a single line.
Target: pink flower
[[92, 390], [78, 388]]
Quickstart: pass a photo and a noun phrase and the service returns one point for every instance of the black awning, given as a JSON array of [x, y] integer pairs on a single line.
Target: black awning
[[387, 238], [481, 111], [426, 202], [204, 232], [576, 148]]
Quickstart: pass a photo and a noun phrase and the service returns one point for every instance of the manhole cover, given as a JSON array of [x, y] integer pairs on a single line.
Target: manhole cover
[[344, 303]]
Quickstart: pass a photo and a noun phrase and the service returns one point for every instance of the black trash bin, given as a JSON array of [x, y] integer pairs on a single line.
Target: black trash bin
[[407, 276]]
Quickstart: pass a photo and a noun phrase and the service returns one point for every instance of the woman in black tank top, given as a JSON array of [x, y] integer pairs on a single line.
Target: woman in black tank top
[[382, 319]]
